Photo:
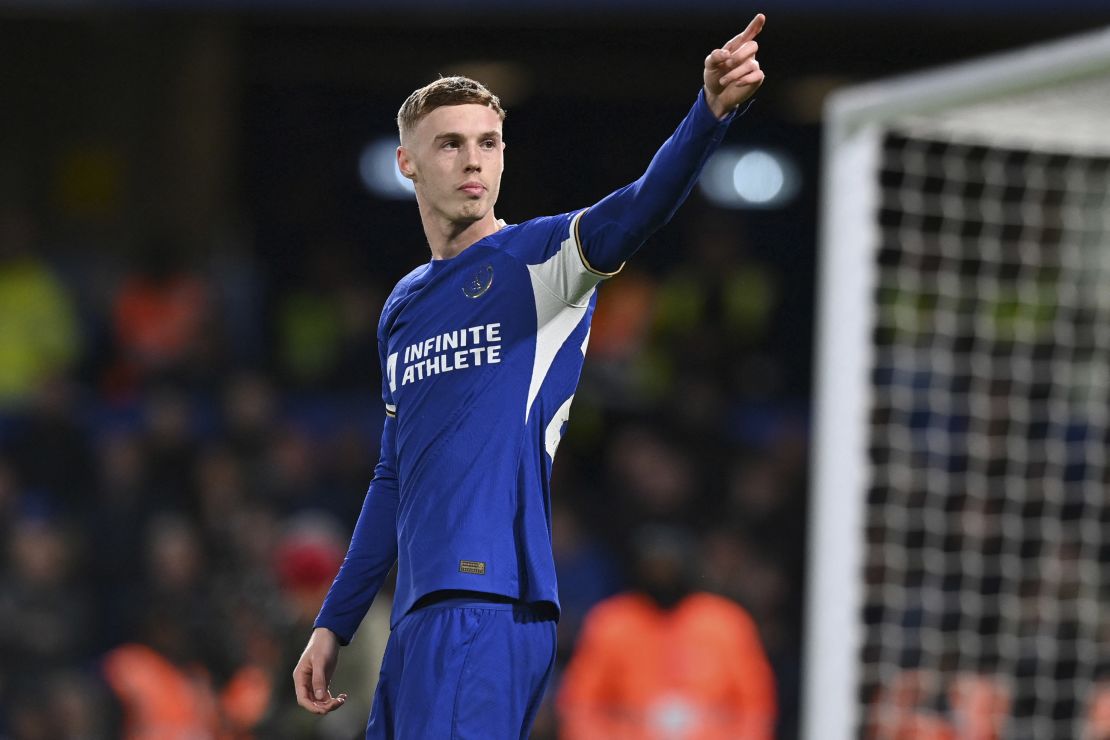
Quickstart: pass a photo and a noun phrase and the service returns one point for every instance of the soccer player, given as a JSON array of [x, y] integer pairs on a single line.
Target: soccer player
[[481, 350]]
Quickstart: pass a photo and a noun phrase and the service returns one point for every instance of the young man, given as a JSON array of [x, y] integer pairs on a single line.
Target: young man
[[481, 351]]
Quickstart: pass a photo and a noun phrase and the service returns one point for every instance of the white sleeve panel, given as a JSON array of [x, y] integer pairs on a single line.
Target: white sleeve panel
[[567, 273], [556, 319]]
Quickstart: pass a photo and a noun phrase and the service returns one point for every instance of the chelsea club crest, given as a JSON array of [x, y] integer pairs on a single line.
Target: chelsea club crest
[[478, 283]]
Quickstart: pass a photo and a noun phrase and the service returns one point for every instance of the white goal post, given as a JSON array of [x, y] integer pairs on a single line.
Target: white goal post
[[961, 459]]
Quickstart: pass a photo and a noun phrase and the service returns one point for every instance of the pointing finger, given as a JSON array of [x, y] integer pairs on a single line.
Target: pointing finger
[[748, 33]]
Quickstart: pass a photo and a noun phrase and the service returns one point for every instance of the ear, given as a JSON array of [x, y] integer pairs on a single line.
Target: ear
[[404, 163]]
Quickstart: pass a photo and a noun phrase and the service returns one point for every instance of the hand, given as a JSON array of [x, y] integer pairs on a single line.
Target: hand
[[732, 73], [313, 673]]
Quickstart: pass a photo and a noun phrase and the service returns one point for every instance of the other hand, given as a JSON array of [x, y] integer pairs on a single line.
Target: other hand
[[312, 676]]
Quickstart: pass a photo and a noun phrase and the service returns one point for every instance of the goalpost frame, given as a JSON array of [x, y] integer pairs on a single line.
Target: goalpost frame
[[855, 121]]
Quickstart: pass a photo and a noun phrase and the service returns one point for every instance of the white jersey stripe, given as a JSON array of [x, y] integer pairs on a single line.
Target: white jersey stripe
[[562, 287]]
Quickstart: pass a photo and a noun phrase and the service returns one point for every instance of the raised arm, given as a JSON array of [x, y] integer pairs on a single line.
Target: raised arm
[[613, 229], [372, 552]]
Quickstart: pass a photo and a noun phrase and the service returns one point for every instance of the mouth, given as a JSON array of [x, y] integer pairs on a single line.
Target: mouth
[[473, 189]]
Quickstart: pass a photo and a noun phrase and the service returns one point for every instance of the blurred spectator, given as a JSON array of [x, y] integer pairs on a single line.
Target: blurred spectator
[[39, 337], [78, 707], [63, 705], [44, 614], [307, 558], [250, 418], [177, 582], [666, 662], [907, 707], [196, 662], [1098, 712], [616, 375], [980, 706], [738, 570], [350, 466], [160, 696], [914, 705], [654, 479], [290, 479], [162, 321], [51, 447], [45, 623], [221, 494], [169, 450], [117, 525], [238, 288], [714, 310], [9, 498], [327, 324]]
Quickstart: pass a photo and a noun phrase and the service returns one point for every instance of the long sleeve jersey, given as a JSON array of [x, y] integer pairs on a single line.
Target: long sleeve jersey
[[481, 355]]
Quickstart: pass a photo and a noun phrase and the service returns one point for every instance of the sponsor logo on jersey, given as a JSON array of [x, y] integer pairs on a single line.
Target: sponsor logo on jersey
[[460, 349]]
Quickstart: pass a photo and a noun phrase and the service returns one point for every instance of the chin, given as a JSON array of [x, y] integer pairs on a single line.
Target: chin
[[473, 213]]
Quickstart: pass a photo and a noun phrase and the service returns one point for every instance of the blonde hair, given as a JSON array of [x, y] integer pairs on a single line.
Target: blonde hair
[[444, 91]]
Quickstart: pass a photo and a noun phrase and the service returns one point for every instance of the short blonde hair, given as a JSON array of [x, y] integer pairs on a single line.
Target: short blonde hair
[[444, 91]]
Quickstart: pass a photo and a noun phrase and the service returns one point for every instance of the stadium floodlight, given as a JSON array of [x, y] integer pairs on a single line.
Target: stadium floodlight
[[377, 168], [754, 178], [961, 480]]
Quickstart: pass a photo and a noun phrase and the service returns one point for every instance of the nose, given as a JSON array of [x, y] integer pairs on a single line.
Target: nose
[[473, 158]]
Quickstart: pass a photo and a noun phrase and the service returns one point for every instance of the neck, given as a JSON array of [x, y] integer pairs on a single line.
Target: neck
[[447, 239]]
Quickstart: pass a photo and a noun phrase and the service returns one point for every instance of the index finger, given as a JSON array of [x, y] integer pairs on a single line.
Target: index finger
[[748, 33]]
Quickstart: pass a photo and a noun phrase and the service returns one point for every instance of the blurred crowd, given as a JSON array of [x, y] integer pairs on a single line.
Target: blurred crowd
[[186, 438]]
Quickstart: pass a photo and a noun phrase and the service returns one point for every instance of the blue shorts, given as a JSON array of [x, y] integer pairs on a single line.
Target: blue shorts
[[464, 668]]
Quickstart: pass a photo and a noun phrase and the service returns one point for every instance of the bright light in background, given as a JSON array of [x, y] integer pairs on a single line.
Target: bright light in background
[[377, 167], [750, 178], [758, 177]]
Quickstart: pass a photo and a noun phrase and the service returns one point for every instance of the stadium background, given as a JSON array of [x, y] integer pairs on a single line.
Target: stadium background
[[191, 272]]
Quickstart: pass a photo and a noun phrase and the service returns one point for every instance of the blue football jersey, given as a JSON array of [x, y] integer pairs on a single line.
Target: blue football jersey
[[481, 354]]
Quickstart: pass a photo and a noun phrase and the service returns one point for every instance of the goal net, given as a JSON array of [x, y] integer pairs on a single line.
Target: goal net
[[961, 496]]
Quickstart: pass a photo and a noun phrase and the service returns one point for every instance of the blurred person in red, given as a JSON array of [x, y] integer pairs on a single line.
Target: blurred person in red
[[307, 557], [161, 321], [1098, 712], [664, 661], [179, 675], [905, 708], [910, 706], [980, 705], [165, 691]]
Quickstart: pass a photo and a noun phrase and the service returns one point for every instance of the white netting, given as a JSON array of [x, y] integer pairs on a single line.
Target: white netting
[[988, 507]]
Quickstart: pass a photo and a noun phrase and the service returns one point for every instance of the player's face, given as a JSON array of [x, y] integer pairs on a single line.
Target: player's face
[[455, 156]]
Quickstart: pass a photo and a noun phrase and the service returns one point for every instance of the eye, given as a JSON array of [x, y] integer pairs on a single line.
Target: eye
[[450, 144], [489, 144]]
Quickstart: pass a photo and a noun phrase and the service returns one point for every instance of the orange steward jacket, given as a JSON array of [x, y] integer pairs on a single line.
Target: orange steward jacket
[[696, 672]]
